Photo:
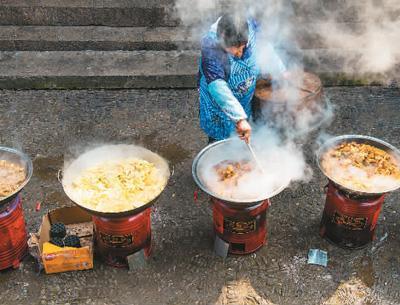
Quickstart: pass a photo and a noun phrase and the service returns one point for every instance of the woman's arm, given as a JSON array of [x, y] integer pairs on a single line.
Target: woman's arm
[[223, 95], [228, 103]]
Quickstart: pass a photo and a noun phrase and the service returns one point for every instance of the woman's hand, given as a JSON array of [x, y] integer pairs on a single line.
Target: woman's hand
[[243, 130]]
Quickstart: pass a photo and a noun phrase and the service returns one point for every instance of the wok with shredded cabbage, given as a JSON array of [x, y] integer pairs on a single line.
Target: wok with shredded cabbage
[[117, 186]]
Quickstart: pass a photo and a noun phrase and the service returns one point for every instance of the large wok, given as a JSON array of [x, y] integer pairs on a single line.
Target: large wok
[[17, 157], [219, 151], [105, 153], [358, 139]]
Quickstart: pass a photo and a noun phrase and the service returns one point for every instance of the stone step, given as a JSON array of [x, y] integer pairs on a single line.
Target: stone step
[[157, 13], [343, 10], [104, 38], [87, 12], [97, 69], [131, 69], [75, 38]]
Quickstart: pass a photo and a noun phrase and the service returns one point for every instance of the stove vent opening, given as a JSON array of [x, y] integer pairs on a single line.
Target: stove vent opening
[[238, 247]]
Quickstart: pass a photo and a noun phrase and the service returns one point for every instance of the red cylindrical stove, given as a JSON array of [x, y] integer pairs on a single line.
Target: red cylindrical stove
[[117, 238], [350, 220], [244, 228], [13, 235]]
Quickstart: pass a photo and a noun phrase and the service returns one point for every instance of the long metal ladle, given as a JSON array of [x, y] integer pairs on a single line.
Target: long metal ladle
[[255, 157]]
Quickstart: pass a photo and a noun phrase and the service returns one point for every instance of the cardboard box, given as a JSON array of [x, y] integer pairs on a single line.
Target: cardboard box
[[77, 222]]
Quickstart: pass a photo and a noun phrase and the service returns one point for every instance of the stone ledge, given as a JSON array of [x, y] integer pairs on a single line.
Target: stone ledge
[[133, 69]]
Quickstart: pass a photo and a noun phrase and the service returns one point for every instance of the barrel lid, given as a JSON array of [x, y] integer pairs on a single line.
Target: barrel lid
[[300, 84]]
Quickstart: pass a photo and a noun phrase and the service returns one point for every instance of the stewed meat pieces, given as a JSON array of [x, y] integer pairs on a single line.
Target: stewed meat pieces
[[367, 156], [231, 171], [362, 167]]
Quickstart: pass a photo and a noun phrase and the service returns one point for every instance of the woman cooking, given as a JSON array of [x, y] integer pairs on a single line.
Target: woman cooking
[[227, 77]]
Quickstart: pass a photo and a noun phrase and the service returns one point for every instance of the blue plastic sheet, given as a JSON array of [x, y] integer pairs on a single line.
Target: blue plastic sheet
[[318, 257]]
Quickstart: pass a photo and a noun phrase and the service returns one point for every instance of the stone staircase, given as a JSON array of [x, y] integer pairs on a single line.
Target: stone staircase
[[76, 44]]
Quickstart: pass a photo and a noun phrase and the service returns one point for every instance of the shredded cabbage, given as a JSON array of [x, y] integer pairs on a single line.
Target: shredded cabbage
[[117, 186]]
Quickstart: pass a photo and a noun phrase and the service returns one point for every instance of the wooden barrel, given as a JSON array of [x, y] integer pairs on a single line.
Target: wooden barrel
[[300, 91]]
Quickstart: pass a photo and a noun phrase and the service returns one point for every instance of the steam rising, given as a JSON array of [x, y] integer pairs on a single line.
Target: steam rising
[[356, 37], [358, 179], [374, 38], [97, 156], [277, 139], [282, 163]]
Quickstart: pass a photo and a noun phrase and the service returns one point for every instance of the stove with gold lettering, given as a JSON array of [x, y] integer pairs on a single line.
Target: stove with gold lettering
[[122, 238], [13, 233], [351, 215], [117, 238], [350, 220], [239, 229], [239, 221]]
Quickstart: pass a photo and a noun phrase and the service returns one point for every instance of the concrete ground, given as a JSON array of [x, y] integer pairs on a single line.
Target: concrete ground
[[50, 125]]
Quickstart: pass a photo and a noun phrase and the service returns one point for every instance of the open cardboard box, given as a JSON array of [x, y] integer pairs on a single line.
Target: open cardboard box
[[77, 222]]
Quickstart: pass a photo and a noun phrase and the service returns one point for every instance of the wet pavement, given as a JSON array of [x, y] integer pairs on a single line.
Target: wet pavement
[[54, 125]]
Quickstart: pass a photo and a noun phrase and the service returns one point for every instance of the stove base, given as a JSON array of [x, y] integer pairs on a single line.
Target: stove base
[[349, 222], [117, 239], [13, 235], [239, 229], [135, 260]]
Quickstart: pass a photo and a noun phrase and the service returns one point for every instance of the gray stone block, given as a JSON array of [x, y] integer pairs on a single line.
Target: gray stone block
[[87, 15], [75, 38], [140, 69]]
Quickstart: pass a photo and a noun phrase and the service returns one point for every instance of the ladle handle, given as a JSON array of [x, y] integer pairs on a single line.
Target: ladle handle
[[254, 157]]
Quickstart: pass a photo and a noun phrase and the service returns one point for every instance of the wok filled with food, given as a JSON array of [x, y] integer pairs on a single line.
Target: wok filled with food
[[15, 172], [360, 164], [115, 179], [226, 170]]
